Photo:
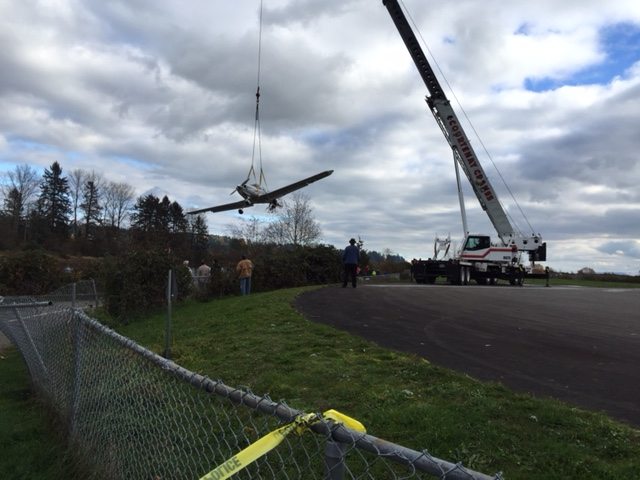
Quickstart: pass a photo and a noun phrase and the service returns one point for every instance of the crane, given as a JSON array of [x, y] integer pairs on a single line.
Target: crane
[[479, 258]]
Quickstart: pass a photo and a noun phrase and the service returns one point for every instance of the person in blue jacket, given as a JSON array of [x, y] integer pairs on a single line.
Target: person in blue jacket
[[350, 260]]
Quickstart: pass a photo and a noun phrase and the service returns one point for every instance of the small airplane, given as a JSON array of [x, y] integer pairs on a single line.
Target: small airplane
[[254, 193]]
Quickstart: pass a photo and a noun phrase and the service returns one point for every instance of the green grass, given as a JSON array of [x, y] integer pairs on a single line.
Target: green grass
[[261, 342], [30, 445], [582, 283]]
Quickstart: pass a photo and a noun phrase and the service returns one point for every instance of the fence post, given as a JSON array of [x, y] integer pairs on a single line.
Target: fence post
[[167, 327], [31, 342], [75, 392], [334, 453], [95, 293], [73, 296]]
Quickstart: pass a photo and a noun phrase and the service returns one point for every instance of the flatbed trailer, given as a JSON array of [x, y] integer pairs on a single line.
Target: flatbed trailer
[[458, 272]]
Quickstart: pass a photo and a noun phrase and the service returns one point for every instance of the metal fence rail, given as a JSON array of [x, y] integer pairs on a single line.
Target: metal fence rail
[[132, 414]]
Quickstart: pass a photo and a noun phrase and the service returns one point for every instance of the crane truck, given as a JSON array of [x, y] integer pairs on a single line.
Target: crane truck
[[479, 258]]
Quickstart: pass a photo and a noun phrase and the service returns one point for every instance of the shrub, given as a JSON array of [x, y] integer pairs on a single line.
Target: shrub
[[137, 282], [286, 267], [31, 272]]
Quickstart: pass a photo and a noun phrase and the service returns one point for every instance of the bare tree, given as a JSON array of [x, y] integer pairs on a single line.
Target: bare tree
[[77, 180], [21, 187], [118, 199], [295, 224], [251, 230]]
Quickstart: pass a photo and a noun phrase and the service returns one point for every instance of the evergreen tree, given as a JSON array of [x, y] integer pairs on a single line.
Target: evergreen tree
[[54, 205], [91, 208], [160, 222], [13, 205], [144, 213], [11, 218], [163, 218], [199, 237], [177, 219]]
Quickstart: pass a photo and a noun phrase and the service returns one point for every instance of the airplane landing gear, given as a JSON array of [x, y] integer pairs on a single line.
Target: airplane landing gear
[[273, 205], [240, 211]]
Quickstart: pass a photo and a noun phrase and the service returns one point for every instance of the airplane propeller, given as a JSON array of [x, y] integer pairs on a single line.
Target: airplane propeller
[[241, 185]]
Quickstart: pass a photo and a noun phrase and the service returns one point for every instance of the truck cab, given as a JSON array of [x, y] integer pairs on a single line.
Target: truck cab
[[478, 248]]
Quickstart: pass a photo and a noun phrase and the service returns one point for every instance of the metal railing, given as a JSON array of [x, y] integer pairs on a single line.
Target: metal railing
[[132, 414]]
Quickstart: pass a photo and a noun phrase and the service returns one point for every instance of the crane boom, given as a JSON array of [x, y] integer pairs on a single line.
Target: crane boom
[[454, 133]]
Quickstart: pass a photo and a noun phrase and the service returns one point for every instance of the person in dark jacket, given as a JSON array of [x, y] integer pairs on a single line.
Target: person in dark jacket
[[350, 260]]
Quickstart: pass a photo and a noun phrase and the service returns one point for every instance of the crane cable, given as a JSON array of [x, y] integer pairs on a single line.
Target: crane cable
[[257, 138], [486, 151]]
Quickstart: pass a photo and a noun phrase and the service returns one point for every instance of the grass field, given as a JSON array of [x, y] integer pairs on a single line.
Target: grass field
[[29, 445], [555, 282], [261, 342]]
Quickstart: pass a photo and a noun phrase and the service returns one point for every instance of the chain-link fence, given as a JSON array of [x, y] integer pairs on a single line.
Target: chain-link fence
[[132, 414]]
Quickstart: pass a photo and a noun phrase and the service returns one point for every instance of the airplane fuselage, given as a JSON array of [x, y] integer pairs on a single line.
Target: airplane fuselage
[[250, 192]]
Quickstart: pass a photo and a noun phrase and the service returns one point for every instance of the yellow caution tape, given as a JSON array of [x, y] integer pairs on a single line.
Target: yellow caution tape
[[345, 420], [271, 440]]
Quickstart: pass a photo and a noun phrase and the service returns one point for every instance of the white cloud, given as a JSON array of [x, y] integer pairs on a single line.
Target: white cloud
[[162, 95]]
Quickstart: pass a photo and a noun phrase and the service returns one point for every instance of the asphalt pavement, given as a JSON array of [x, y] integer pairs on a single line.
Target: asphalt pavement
[[579, 345]]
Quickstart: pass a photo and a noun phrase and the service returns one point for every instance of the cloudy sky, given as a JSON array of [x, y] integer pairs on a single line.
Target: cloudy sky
[[160, 94]]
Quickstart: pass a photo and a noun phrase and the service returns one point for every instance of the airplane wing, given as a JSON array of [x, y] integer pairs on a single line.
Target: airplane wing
[[222, 208], [281, 192]]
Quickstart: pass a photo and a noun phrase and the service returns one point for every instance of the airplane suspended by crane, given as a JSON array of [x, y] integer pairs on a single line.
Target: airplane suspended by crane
[[479, 259], [257, 191], [253, 193]]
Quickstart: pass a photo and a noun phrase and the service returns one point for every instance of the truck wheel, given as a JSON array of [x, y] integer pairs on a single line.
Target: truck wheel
[[465, 273]]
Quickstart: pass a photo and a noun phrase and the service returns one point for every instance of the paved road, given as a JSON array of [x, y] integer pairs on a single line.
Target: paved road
[[580, 345]]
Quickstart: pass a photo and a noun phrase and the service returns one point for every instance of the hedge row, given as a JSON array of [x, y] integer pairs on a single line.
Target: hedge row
[[136, 282]]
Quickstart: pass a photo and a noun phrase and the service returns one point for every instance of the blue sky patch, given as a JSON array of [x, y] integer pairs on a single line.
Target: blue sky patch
[[29, 145], [621, 45], [141, 164]]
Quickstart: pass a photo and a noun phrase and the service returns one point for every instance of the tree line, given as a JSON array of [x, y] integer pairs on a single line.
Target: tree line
[[83, 213], [99, 229]]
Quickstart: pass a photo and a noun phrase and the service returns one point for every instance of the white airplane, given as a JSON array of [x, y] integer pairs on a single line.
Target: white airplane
[[254, 193]]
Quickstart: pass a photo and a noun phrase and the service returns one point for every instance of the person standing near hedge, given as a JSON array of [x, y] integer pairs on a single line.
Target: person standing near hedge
[[244, 270], [350, 260], [203, 274]]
